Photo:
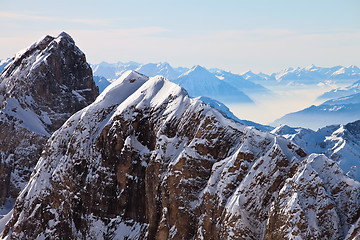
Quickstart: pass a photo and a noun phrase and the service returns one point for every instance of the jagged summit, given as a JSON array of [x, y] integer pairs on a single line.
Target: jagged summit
[[283, 130], [51, 78], [67, 36]]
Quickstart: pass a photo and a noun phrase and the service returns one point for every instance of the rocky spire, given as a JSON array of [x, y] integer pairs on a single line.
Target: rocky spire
[[43, 86]]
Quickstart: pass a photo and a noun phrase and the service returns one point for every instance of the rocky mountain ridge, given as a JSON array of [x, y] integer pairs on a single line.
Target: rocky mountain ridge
[[41, 87], [147, 161], [338, 142]]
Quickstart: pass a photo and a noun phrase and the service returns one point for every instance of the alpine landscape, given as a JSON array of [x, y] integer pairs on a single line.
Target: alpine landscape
[[92, 148]]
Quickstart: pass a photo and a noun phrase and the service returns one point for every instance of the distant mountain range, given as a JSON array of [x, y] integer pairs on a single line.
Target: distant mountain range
[[198, 81], [113, 71], [310, 75]]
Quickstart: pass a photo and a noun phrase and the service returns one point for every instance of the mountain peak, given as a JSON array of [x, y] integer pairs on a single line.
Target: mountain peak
[[51, 71], [132, 76], [312, 66], [198, 68], [65, 35]]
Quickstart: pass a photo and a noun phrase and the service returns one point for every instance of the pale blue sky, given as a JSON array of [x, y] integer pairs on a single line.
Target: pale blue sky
[[234, 35]]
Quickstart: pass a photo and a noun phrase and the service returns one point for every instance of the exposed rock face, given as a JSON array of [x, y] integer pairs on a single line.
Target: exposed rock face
[[39, 90], [145, 161]]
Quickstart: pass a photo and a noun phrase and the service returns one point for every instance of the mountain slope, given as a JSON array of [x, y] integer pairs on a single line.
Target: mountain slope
[[351, 72], [43, 86], [341, 92], [336, 111], [145, 161], [200, 82]]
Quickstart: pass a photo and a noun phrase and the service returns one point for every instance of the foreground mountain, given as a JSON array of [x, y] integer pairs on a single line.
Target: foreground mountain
[[145, 161], [341, 143], [336, 111], [39, 90], [341, 92], [198, 81]]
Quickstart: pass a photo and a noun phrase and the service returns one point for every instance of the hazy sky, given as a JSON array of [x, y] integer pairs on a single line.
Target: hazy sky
[[234, 35]]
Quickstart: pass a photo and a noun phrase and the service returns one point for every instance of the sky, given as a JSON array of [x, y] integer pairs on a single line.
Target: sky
[[233, 35]]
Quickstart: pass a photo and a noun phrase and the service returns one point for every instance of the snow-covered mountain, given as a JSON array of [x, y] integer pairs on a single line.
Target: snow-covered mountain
[[307, 75], [339, 142], [315, 75], [341, 91], [198, 81], [351, 72], [145, 161], [336, 111], [39, 90]]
